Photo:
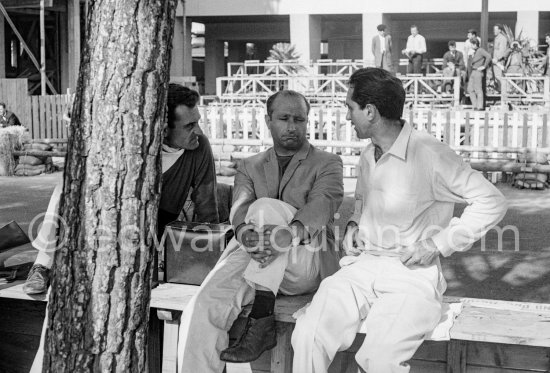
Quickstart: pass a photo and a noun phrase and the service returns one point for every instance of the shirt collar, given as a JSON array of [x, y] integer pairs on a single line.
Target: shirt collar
[[400, 145]]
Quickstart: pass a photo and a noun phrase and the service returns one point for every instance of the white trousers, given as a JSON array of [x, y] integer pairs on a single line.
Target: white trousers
[[398, 304], [230, 286]]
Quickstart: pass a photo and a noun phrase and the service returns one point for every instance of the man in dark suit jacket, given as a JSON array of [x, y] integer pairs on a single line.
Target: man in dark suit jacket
[[284, 201], [453, 62], [382, 49]]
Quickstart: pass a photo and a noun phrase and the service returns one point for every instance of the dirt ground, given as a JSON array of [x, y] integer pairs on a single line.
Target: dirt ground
[[482, 272]]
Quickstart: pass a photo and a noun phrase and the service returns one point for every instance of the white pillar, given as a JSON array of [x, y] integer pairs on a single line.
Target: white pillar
[[187, 48], [305, 35], [176, 66], [528, 24], [73, 18], [2, 48], [370, 21]]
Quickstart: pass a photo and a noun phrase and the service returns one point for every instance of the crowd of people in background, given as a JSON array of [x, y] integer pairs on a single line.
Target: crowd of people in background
[[470, 65]]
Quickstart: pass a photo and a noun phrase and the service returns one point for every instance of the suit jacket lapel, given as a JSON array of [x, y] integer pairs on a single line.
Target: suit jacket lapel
[[293, 165], [271, 171]]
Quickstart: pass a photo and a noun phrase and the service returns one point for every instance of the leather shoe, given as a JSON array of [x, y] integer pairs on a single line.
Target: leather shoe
[[38, 280], [259, 336]]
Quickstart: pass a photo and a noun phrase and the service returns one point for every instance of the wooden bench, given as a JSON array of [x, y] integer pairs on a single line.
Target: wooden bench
[[488, 336]]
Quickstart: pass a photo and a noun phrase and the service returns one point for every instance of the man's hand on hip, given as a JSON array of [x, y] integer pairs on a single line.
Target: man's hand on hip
[[421, 253]]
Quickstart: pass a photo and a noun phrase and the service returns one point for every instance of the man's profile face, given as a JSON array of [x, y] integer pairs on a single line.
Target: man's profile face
[[548, 40], [496, 30], [288, 124], [185, 129], [382, 33], [414, 31], [469, 36], [2, 110], [357, 117]]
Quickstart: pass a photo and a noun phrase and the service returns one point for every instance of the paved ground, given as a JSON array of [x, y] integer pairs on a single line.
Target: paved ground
[[489, 273]]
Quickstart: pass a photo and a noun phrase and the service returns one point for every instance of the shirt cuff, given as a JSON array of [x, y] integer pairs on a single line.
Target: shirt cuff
[[441, 241]]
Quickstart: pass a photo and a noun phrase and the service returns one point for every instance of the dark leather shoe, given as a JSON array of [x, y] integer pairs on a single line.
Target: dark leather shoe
[[259, 336]]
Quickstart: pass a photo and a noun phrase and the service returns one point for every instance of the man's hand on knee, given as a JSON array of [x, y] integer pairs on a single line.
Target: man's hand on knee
[[420, 253]]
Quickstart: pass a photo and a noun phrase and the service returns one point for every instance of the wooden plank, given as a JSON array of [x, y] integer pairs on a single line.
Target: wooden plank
[[418, 366], [42, 117], [281, 355], [2, 48], [486, 129], [321, 124], [505, 129], [35, 117], [508, 356], [545, 139], [456, 356], [467, 129], [448, 129], [429, 123], [525, 134]]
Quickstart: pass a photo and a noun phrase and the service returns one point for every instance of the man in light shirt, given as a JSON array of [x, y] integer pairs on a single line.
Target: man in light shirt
[[391, 278], [468, 51], [416, 47], [188, 170], [382, 49]]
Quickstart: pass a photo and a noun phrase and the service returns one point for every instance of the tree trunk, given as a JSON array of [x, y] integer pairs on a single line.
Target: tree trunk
[[98, 310]]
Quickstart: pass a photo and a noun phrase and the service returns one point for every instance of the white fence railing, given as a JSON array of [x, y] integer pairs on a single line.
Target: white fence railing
[[248, 89], [489, 135]]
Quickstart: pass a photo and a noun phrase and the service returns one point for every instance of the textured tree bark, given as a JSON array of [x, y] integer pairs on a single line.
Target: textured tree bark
[[101, 283]]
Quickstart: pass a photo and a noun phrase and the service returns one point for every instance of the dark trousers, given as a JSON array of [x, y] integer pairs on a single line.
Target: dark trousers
[[415, 64]]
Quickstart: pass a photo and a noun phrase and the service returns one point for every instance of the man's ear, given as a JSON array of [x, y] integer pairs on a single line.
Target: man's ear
[[370, 111], [268, 121]]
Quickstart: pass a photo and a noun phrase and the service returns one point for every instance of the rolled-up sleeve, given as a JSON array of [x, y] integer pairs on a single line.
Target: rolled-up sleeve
[[455, 181]]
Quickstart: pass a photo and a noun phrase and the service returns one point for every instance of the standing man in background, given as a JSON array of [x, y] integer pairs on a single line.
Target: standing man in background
[[416, 47], [477, 67], [468, 51], [500, 52], [382, 49]]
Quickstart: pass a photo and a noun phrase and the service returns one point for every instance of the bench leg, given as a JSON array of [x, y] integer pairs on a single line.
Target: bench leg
[[281, 355], [456, 356], [170, 340]]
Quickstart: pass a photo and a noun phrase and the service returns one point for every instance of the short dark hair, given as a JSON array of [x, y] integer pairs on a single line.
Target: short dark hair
[[287, 93], [474, 41], [179, 95], [547, 35], [472, 31], [3, 105], [379, 88], [499, 26], [381, 27], [451, 43]]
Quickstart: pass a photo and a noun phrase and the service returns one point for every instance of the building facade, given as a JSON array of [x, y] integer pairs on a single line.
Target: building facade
[[337, 29]]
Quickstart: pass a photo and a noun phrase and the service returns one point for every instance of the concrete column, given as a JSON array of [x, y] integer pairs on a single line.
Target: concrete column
[[64, 52], [305, 35], [73, 15], [214, 63], [187, 48], [528, 24], [370, 21], [178, 47], [2, 48]]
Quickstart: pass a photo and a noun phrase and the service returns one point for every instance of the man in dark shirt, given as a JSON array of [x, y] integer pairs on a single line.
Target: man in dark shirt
[[477, 66], [7, 118], [188, 169]]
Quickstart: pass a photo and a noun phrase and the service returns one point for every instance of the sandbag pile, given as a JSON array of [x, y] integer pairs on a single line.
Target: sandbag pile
[[532, 180], [30, 165]]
